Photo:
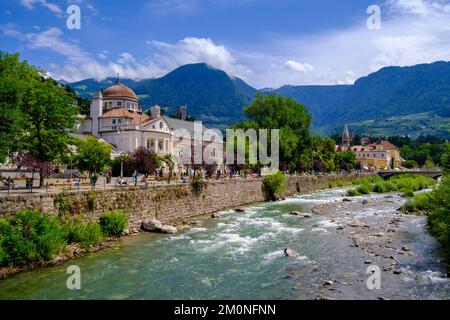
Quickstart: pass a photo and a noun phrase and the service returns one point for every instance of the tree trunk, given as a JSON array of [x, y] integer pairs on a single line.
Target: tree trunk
[[41, 177]]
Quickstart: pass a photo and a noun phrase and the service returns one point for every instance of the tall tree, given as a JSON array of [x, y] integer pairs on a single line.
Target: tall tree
[[50, 114], [168, 160], [36, 113], [13, 83], [93, 155], [287, 115]]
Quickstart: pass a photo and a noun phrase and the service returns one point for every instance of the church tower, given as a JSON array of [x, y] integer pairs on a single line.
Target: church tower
[[346, 140], [96, 112]]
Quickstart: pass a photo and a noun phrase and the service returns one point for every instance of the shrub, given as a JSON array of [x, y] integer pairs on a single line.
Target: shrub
[[198, 185], [437, 205], [91, 234], [30, 237], [353, 193], [379, 187], [113, 223], [364, 189], [73, 230], [368, 180], [274, 184], [408, 194], [409, 206], [410, 164]]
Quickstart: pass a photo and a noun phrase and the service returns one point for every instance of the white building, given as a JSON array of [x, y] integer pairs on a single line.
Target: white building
[[116, 117]]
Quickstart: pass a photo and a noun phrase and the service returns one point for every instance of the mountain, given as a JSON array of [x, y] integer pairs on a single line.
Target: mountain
[[86, 88], [391, 92], [394, 100], [210, 94]]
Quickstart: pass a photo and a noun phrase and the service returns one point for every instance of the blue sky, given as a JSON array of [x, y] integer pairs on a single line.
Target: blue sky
[[268, 43]]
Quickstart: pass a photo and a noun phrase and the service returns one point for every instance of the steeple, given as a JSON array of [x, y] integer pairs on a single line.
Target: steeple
[[118, 78], [346, 140]]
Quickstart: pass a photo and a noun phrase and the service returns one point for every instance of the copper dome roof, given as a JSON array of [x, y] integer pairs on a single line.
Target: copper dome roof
[[119, 91]]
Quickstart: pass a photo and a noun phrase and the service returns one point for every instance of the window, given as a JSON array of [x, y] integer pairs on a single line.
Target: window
[[114, 121], [161, 125], [110, 104], [119, 121], [128, 105], [119, 104]]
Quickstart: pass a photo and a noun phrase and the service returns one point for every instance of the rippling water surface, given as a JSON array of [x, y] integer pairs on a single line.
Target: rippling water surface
[[240, 256]]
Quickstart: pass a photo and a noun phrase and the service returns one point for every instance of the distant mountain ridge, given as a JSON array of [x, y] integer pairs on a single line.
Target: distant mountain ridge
[[217, 99]]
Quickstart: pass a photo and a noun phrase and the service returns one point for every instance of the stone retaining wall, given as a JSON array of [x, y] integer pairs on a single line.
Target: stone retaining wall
[[169, 204]]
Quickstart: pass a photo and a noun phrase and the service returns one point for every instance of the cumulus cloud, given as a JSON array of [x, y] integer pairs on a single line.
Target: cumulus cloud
[[412, 32], [301, 67], [198, 50]]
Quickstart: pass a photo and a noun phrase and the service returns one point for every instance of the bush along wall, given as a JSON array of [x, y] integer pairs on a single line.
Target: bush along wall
[[31, 238]]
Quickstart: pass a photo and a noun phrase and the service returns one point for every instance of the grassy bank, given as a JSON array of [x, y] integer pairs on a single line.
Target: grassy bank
[[407, 184], [31, 239], [436, 205]]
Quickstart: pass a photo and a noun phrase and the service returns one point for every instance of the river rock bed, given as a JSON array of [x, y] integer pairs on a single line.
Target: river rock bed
[[375, 231]]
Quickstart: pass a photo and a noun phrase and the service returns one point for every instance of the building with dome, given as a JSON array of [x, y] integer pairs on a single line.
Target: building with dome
[[117, 118]]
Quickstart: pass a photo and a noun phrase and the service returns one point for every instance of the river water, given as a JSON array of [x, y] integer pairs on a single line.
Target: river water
[[241, 256]]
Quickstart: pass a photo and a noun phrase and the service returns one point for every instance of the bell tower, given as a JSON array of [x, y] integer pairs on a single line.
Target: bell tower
[[346, 140], [96, 112]]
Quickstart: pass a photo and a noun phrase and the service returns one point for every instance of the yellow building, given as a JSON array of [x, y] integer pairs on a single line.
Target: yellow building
[[379, 155]]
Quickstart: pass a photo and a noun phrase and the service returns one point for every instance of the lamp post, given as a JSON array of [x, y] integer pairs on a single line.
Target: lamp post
[[121, 153]]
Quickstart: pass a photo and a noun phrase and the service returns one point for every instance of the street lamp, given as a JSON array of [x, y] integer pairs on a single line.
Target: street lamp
[[121, 153]]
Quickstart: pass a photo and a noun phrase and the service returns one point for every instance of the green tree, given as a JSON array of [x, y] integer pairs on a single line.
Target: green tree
[[287, 115], [445, 161], [345, 160], [93, 155], [13, 84], [167, 159]]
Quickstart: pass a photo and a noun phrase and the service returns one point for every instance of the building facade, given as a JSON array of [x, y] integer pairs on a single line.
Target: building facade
[[117, 118], [372, 156]]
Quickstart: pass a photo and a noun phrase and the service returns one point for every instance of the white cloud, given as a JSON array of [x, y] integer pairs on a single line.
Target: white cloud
[[198, 50], [126, 58], [30, 4], [301, 67], [412, 32], [103, 55]]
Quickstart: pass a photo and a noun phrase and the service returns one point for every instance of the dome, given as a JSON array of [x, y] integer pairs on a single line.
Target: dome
[[119, 91]]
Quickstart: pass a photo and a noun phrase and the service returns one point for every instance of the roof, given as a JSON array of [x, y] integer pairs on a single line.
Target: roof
[[389, 146], [137, 117], [119, 91]]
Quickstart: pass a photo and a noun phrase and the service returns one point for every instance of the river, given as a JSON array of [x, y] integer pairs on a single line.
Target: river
[[241, 256]]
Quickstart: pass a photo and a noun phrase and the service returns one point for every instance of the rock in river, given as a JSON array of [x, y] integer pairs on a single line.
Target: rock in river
[[356, 224], [154, 225], [290, 252]]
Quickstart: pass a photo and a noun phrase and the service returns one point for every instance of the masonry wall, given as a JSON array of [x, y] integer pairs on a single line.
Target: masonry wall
[[169, 204]]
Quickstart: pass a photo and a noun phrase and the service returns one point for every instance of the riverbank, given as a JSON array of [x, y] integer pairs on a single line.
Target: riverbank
[[92, 205], [169, 203], [241, 256]]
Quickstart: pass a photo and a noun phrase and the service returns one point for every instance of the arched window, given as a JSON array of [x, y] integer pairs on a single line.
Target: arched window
[[161, 125]]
